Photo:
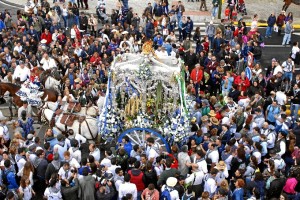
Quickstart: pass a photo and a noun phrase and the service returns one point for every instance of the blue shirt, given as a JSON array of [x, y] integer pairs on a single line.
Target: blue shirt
[[272, 112]]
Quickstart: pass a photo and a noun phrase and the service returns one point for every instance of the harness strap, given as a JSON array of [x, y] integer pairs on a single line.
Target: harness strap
[[90, 130]]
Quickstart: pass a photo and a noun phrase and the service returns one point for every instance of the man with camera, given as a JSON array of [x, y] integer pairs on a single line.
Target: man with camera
[[69, 188]]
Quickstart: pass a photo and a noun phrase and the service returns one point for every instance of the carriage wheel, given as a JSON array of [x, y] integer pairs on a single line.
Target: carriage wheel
[[137, 136]]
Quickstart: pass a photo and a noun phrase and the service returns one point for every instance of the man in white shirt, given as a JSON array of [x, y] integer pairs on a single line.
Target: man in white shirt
[[18, 47], [20, 157], [25, 107], [47, 62], [61, 147], [74, 150], [210, 184], [4, 133], [288, 68], [64, 172], [107, 160], [74, 164], [21, 72], [199, 169], [281, 97], [151, 151], [127, 188], [95, 152], [212, 155]]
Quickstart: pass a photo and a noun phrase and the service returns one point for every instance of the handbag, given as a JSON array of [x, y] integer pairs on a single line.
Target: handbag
[[276, 29]]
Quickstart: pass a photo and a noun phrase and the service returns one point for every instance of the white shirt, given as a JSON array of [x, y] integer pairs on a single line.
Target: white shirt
[[74, 163], [106, 162], [126, 188], [75, 154], [48, 63], [27, 192], [4, 131], [51, 195], [18, 49], [202, 166], [96, 154], [152, 154], [257, 154], [64, 174], [73, 33], [195, 180], [295, 49], [22, 73], [161, 54], [281, 98], [277, 69], [173, 193], [158, 169], [113, 168], [271, 140], [288, 66], [21, 162], [221, 175], [213, 155], [210, 186], [64, 12]]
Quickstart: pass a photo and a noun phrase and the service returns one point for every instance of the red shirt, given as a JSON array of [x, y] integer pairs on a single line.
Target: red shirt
[[197, 76], [47, 37], [243, 84]]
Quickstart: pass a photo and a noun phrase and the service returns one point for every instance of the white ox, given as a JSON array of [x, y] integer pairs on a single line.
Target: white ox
[[87, 128]]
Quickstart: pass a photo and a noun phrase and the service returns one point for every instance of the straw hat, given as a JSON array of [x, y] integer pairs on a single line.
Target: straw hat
[[214, 121], [204, 118], [221, 165], [171, 181], [78, 80], [212, 113], [193, 120]]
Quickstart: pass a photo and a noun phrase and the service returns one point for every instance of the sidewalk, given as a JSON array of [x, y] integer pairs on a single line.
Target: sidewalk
[[263, 8]]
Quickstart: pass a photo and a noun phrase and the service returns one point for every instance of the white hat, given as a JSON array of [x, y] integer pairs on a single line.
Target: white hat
[[29, 136], [43, 41], [124, 32], [171, 181], [114, 30], [2, 117]]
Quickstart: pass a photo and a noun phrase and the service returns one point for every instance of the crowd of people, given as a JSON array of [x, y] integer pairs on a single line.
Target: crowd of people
[[244, 141]]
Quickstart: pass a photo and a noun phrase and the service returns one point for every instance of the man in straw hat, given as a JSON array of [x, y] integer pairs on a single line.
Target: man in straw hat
[[4, 133], [168, 189], [223, 172]]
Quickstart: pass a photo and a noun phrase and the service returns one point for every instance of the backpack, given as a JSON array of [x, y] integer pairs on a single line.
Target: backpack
[[165, 195]]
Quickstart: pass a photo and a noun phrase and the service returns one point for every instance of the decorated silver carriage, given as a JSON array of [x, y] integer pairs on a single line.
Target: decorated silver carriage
[[146, 97]]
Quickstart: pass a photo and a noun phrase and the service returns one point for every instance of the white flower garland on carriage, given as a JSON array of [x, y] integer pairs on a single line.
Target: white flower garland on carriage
[[30, 92]]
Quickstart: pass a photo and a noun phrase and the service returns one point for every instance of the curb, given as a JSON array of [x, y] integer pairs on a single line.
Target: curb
[[296, 26]]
